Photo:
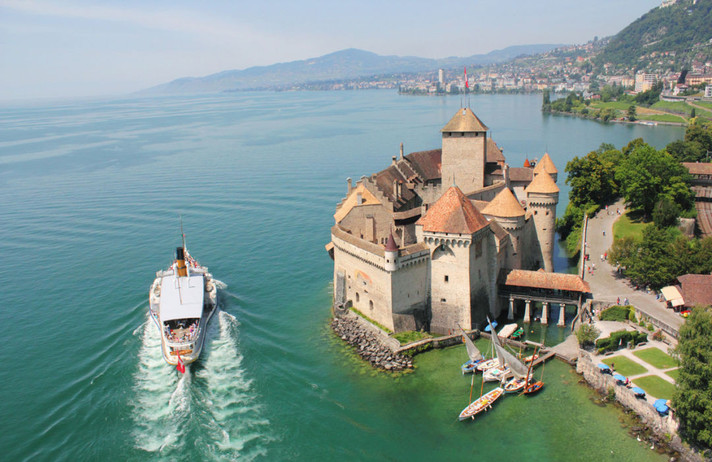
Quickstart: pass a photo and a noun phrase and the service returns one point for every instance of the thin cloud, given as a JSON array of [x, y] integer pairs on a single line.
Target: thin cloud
[[182, 21]]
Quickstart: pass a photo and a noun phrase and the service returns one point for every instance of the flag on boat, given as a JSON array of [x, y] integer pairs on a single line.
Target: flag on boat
[[180, 366], [467, 85]]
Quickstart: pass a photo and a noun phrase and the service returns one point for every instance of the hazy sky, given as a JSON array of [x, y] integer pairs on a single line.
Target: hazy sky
[[81, 48]]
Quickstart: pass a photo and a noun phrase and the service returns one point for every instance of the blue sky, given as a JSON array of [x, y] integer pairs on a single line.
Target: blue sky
[[66, 48]]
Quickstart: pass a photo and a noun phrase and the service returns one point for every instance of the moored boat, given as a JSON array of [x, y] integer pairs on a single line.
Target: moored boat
[[488, 364], [182, 300], [496, 374], [473, 353], [533, 387], [482, 403], [515, 385]]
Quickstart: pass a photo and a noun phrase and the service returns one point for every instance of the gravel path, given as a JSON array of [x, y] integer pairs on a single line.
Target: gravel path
[[605, 282]]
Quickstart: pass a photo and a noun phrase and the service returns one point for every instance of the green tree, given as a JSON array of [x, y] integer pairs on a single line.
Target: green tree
[[653, 265], [693, 114], [686, 151], [624, 251], [693, 398], [546, 101], [646, 174], [700, 132], [632, 116], [666, 213], [586, 334], [592, 177]]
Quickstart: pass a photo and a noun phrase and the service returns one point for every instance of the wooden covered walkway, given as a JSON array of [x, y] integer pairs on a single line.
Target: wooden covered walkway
[[543, 287]]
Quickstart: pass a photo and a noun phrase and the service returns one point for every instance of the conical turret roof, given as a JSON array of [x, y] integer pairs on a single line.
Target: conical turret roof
[[391, 244], [545, 164], [527, 163], [504, 205], [465, 120], [542, 183], [453, 213]]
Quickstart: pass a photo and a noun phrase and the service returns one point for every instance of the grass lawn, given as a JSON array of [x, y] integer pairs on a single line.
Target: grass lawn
[[410, 336], [679, 107], [656, 357], [625, 366], [704, 104], [621, 106], [675, 373], [663, 118], [655, 386], [625, 226]]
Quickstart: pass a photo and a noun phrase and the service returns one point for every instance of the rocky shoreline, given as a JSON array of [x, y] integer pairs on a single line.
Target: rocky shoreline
[[368, 345]]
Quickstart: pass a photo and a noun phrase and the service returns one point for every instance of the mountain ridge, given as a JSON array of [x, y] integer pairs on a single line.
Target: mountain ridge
[[349, 63]]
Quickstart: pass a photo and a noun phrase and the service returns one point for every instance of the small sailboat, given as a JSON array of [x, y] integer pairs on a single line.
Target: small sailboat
[[474, 354], [488, 364], [482, 403], [497, 374], [534, 387], [513, 367]]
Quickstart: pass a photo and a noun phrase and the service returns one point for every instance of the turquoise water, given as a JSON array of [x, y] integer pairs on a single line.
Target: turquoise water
[[90, 194]]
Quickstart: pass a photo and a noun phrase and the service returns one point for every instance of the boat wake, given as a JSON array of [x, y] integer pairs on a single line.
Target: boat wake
[[211, 409]]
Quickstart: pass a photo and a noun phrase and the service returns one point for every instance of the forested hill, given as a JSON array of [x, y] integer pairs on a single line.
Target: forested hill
[[665, 38]]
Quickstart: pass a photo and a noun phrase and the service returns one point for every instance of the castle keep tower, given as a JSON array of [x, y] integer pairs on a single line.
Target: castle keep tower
[[542, 197], [462, 249], [464, 151]]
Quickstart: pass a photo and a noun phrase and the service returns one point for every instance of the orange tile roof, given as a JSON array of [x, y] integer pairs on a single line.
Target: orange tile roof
[[453, 213], [464, 120], [504, 205], [545, 164], [542, 183], [698, 168], [543, 280]]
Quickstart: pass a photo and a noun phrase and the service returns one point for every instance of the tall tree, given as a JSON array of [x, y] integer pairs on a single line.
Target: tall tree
[[646, 174], [693, 398], [632, 115]]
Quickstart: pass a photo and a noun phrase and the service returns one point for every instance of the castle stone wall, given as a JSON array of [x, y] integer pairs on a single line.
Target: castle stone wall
[[367, 283]]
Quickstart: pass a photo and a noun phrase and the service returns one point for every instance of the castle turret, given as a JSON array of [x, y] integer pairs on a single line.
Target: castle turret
[[464, 151], [391, 254], [542, 197], [509, 214], [546, 165]]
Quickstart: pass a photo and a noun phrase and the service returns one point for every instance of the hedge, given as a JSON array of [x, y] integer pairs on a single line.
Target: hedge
[[618, 313], [620, 338]]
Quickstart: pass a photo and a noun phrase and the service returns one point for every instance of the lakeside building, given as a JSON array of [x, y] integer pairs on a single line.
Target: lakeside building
[[428, 241]]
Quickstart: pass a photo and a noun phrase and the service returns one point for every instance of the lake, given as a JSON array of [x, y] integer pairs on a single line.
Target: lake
[[90, 197]]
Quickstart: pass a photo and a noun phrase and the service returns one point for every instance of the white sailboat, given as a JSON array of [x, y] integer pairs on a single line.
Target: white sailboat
[[515, 367], [474, 354]]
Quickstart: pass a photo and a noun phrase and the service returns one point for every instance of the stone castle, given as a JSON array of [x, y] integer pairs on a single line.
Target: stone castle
[[427, 242]]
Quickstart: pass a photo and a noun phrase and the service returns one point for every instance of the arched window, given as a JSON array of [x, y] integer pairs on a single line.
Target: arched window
[[370, 304], [358, 297]]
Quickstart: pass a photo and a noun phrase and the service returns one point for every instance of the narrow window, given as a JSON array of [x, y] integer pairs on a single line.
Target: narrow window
[[446, 278]]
